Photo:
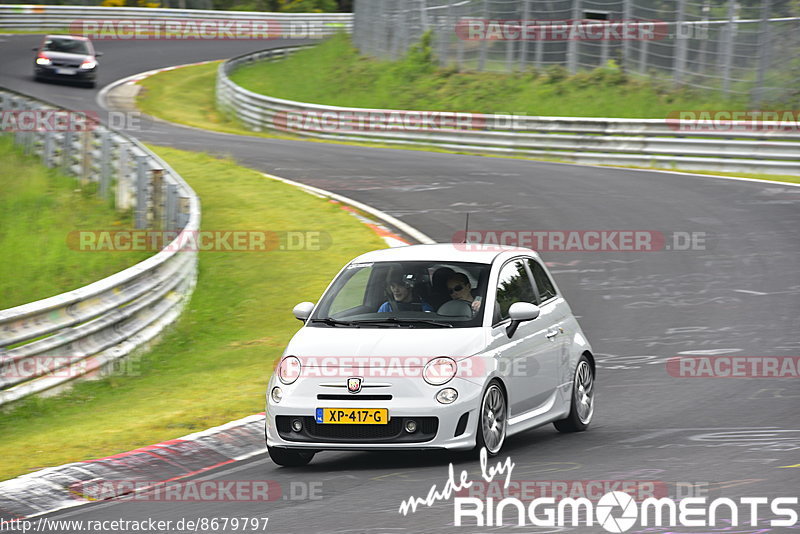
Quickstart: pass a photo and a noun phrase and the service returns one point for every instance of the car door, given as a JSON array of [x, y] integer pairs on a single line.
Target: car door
[[528, 359]]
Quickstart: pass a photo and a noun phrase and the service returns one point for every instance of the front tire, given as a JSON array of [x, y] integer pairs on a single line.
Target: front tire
[[290, 457], [492, 420], [582, 405]]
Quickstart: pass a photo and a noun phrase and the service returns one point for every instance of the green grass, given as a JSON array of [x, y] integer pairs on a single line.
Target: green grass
[[214, 364], [186, 96], [38, 209], [334, 73]]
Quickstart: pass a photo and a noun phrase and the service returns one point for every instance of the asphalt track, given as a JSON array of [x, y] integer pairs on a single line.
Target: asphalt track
[[739, 296]]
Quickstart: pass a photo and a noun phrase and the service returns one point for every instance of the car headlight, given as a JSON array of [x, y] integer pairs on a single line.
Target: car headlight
[[41, 60], [289, 370], [439, 371], [277, 394], [88, 64]]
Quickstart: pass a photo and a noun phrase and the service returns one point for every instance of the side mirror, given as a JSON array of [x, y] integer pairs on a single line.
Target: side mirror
[[303, 310], [98, 54], [519, 312], [35, 48]]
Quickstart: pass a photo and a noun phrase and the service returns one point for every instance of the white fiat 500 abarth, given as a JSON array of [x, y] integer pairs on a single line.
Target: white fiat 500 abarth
[[430, 347]]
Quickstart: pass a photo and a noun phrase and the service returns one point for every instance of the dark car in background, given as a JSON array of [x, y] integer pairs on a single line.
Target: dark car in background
[[66, 57]]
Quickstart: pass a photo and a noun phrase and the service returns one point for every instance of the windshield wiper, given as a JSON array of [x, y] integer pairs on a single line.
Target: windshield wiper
[[330, 321], [397, 321]]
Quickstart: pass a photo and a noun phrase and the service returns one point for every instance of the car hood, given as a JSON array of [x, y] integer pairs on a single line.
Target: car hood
[[380, 343], [64, 56]]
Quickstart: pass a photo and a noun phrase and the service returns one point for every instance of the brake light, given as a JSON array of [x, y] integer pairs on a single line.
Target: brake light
[[88, 64], [42, 60]]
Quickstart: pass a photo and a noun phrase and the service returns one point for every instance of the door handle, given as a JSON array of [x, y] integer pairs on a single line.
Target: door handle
[[553, 332]]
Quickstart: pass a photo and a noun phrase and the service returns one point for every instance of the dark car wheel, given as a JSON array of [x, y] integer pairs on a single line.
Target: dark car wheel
[[290, 457], [582, 405]]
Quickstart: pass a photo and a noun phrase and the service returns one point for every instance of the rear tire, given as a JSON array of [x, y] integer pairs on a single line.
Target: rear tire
[[290, 457], [582, 404]]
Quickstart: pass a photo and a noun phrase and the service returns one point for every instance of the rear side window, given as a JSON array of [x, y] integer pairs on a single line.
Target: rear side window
[[513, 285], [546, 288]]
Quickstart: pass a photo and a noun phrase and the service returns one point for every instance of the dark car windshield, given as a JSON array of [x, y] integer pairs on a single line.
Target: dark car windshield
[[418, 294], [70, 46]]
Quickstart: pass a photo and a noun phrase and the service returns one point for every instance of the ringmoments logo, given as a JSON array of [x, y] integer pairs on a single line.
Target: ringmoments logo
[[614, 511]]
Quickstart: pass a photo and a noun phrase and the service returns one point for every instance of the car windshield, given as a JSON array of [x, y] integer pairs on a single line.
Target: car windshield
[[70, 46], [414, 294]]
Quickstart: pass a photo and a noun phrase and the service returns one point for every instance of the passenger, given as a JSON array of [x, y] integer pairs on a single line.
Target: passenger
[[403, 294], [460, 289]]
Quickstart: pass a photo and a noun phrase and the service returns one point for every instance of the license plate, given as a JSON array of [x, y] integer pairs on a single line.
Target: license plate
[[65, 71], [351, 416]]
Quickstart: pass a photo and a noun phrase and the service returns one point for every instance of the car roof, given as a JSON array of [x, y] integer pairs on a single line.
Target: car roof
[[460, 252], [73, 37]]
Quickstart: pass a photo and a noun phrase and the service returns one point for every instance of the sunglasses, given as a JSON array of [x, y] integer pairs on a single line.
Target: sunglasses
[[455, 289]]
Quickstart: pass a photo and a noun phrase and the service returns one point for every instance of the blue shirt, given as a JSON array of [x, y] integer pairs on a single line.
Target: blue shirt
[[387, 306]]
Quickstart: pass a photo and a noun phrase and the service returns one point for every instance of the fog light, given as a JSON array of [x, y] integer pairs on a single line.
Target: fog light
[[297, 426], [411, 426], [277, 394], [447, 396]]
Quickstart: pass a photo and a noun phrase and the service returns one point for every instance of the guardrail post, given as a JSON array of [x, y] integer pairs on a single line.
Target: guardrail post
[[105, 162], [66, 151], [171, 210], [47, 154], [157, 205], [141, 191], [86, 156]]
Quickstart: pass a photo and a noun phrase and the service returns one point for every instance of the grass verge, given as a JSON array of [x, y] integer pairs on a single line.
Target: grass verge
[[214, 364], [37, 204], [186, 96], [334, 73]]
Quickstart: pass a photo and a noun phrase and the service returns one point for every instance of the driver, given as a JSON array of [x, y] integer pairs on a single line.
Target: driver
[[402, 294]]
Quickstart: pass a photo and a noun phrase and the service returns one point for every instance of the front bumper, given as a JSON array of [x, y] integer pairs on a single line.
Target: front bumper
[[54, 73], [439, 426]]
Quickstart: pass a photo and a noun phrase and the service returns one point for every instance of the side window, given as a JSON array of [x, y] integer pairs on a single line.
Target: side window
[[353, 292], [546, 288], [513, 285]]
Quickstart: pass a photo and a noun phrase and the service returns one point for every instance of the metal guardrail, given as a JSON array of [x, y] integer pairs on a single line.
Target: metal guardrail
[[50, 342], [48, 18], [598, 141]]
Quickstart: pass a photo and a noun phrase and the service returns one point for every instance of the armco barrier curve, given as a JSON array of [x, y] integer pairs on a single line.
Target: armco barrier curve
[[50, 342], [51, 18], [586, 140]]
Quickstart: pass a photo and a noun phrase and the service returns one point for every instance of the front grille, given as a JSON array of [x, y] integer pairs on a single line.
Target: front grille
[[392, 432], [63, 63], [352, 397]]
